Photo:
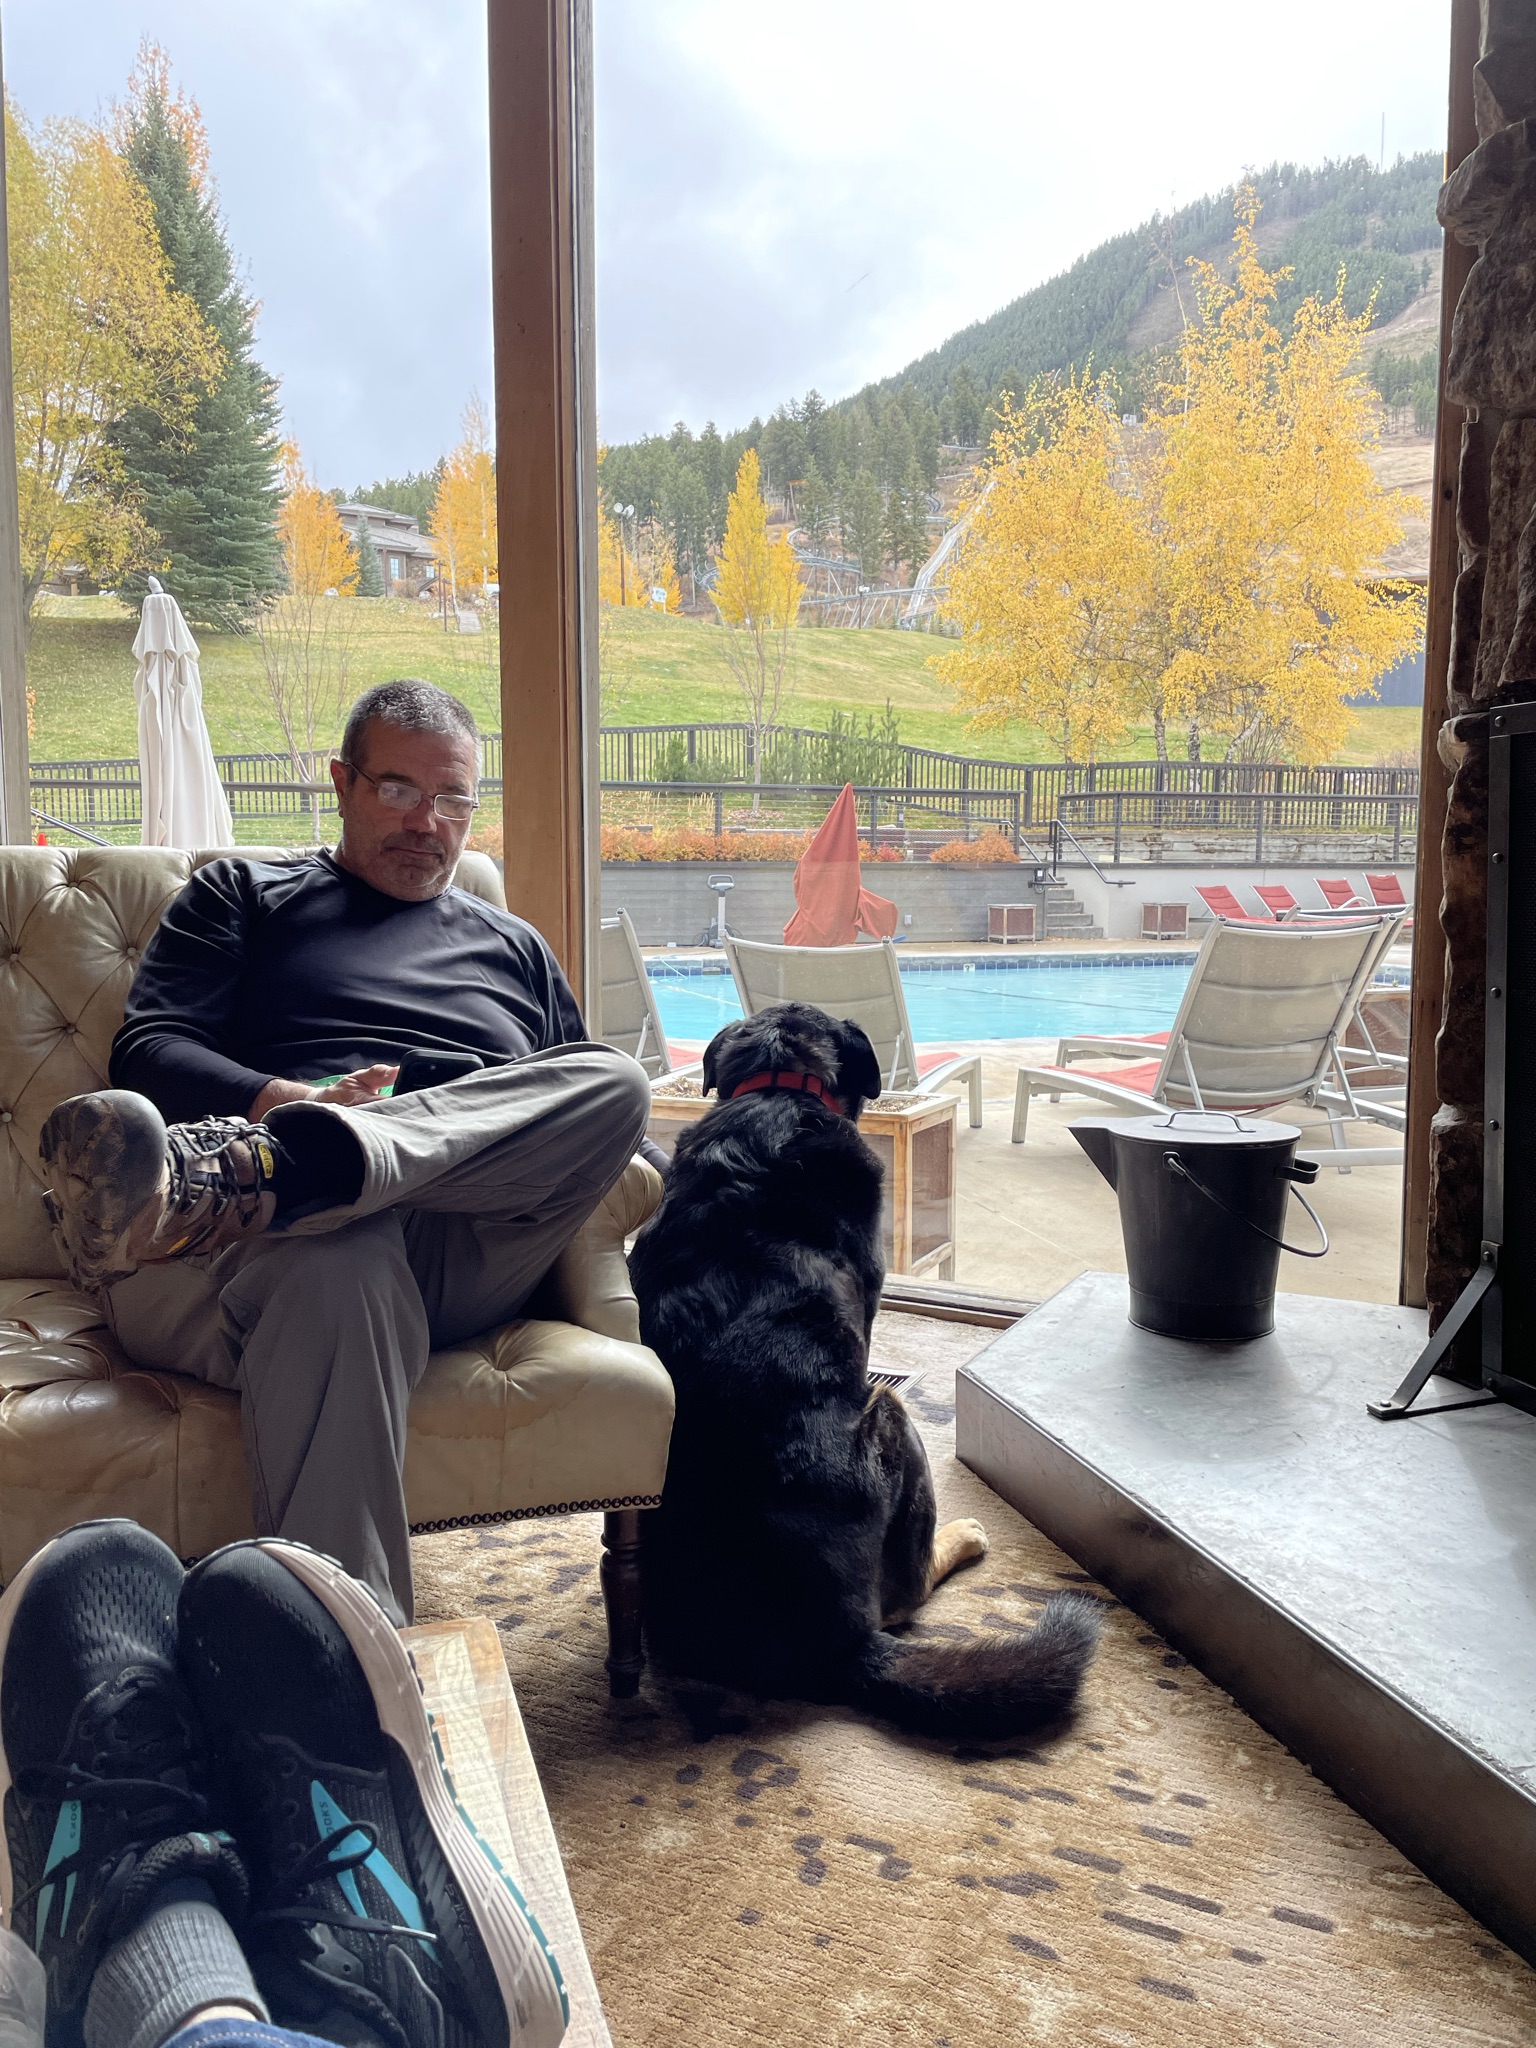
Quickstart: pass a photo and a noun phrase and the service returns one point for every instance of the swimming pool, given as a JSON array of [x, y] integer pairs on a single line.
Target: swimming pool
[[963, 998]]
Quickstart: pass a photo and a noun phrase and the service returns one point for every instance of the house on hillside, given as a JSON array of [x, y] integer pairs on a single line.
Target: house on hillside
[[407, 556]]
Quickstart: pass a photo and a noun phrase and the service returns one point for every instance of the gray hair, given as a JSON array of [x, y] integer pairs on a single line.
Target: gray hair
[[410, 705]]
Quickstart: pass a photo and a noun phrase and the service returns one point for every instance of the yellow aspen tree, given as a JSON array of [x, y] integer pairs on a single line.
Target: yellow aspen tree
[[658, 569], [318, 555], [96, 329], [1052, 578], [304, 637], [757, 594], [1268, 522], [1215, 568], [619, 578], [464, 511]]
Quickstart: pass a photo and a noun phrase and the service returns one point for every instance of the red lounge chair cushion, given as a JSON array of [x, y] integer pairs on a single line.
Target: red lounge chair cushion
[[1140, 1079], [1274, 896], [1220, 902], [935, 1056]]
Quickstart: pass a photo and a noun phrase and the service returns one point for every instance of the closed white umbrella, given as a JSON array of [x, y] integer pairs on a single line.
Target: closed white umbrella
[[184, 801]]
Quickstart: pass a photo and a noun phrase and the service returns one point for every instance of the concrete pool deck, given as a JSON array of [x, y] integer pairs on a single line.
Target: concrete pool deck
[[1031, 1217]]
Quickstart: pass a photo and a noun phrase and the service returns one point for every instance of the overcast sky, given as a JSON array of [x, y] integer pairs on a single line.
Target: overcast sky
[[789, 195]]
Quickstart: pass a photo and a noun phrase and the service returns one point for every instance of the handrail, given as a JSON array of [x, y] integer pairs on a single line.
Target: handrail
[[1059, 831], [63, 825]]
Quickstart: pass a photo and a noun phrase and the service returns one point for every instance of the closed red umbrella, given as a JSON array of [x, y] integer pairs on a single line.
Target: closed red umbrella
[[834, 905]]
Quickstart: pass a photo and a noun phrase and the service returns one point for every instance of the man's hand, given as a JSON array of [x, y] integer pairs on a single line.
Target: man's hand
[[363, 1086]]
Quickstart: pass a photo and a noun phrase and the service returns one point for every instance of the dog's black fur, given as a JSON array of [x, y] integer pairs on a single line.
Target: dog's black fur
[[798, 1513]]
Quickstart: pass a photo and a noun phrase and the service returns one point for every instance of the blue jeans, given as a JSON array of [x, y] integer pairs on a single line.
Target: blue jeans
[[239, 2034]]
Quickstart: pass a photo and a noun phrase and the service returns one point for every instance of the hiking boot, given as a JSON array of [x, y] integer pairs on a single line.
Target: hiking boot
[[377, 1912], [99, 1761], [127, 1191]]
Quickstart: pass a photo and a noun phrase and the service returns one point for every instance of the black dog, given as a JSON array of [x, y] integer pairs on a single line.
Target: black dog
[[797, 1523]]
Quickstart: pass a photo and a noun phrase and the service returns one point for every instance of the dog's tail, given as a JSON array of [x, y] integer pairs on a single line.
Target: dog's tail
[[994, 1687]]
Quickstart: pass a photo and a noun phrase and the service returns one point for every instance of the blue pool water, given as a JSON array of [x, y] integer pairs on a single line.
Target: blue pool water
[[967, 999]]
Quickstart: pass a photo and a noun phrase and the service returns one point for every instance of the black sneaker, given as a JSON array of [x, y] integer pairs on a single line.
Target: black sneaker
[[126, 1190], [377, 1912], [99, 1760]]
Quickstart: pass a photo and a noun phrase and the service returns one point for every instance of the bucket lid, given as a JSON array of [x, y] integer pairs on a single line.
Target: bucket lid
[[1203, 1127]]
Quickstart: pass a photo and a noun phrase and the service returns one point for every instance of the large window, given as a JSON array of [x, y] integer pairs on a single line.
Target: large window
[[944, 457]]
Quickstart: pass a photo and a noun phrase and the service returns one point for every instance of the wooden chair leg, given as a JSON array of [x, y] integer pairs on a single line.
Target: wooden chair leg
[[621, 1598]]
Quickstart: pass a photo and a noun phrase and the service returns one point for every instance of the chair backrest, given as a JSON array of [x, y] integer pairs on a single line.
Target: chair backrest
[[1338, 895], [1265, 1008], [73, 924], [861, 983], [1387, 890], [1275, 897], [627, 1015], [1219, 900]]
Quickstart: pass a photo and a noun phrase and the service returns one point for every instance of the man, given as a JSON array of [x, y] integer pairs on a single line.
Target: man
[[293, 1232]]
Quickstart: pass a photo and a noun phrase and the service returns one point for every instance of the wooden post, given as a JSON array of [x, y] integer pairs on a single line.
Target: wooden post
[[540, 63], [15, 771], [1434, 783]]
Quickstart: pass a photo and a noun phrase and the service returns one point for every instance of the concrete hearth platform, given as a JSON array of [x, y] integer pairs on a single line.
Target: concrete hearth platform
[[1363, 1589]]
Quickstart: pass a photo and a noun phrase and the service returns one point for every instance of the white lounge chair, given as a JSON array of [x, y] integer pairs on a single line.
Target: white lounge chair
[[1262, 1022], [862, 983], [626, 1009]]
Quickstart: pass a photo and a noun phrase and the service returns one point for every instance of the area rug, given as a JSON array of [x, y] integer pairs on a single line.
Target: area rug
[[1164, 1875]]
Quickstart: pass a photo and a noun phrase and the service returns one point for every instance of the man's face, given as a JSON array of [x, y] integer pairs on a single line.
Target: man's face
[[407, 854]]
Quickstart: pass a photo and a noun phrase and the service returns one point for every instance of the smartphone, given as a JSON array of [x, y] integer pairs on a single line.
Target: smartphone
[[431, 1069]]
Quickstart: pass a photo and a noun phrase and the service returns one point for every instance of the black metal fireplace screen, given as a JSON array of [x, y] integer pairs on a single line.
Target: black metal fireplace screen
[[1502, 1291]]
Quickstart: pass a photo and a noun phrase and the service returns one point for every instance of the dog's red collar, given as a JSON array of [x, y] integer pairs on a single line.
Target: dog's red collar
[[800, 1084]]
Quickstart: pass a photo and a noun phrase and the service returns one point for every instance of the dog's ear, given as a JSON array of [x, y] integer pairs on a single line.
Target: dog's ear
[[858, 1071], [709, 1062]]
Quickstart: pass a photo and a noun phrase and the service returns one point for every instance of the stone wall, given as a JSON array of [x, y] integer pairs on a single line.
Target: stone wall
[[1489, 203]]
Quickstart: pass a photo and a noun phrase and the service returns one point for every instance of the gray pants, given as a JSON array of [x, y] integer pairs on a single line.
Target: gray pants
[[470, 1192]]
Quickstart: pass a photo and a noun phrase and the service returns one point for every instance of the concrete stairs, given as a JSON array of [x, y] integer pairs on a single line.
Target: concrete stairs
[[1063, 914]]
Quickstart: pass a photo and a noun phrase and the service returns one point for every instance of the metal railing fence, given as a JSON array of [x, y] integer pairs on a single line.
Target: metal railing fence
[[1266, 819], [725, 752], [1113, 799]]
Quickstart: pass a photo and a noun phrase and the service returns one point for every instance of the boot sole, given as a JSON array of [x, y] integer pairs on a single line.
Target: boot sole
[[112, 1148], [527, 1972]]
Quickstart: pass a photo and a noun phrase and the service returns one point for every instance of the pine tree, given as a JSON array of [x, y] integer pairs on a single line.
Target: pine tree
[[209, 493], [815, 507], [863, 518], [965, 408], [370, 570], [894, 448]]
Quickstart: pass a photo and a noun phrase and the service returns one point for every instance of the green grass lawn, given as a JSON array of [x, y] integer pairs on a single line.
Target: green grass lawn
[[659, 671]]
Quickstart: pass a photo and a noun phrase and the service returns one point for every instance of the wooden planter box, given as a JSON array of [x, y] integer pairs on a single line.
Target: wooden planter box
[[913, 1137], [1007, 922]]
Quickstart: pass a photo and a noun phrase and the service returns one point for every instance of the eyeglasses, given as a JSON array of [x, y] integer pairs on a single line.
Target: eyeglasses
[[396, 795]]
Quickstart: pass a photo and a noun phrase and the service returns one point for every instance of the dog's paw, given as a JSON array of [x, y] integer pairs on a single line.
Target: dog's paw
[[957, 1543]]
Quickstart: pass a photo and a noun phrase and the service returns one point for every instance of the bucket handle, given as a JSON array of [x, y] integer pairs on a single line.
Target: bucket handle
[[1175, 1165], [1173, 1116]]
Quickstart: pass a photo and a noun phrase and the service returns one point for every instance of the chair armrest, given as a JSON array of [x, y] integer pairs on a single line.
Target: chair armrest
[[589, 1282]]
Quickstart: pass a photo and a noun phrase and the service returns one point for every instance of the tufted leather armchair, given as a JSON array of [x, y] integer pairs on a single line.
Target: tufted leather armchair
[[539, 1417]]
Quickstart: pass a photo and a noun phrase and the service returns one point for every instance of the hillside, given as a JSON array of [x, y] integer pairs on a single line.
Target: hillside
[[867, 469], [1120, 301], [659, 670]]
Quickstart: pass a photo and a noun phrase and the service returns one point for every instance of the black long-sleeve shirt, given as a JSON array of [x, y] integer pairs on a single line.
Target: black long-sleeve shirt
[[302, 970]]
